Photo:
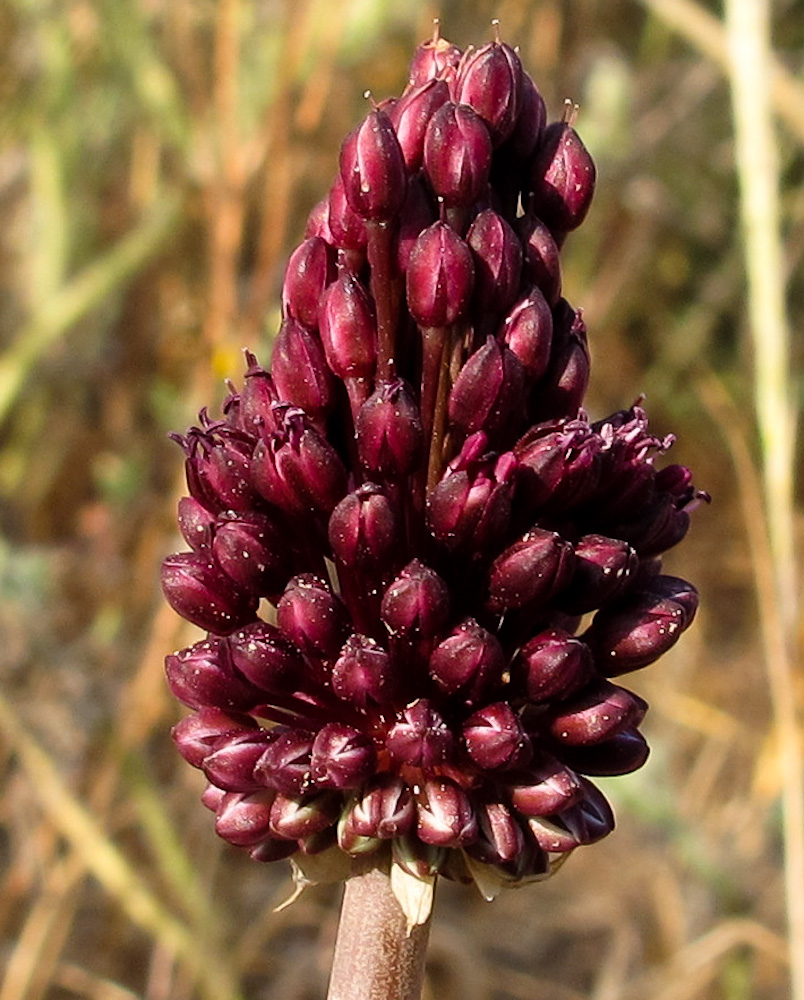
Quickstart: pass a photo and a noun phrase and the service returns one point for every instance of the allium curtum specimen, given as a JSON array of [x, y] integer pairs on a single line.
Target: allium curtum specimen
[[418, 561]]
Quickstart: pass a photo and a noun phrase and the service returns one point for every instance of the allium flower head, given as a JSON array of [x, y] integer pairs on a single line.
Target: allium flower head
[[418, 561]]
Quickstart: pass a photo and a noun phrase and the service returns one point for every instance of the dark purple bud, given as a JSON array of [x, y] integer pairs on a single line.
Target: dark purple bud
[[489, 392], [253, 551], [529, 571], [558, 468], [562, 179], [457, 154], [298, 470], [530, 121], [417, 602], [258, 398], [262, 654], [411, 115], [494, 737], [418, 213], [471, 507], [242, 819], [382, 811], [596, 714], [541, 265], [203, 594], [218, 467], [363, 529], [635, 631], [497, 254], [348, 328], [389, 431], [318, 222], [273, 849], [440, 277], [622, 754], [231, 765], [603, 569], [310, 269], [212, 797], [202, 675], [347, 228], [564, 386], [500, 839], [373, 169], [444, 814], [490, 81], [588, 820], [420, 738], [195, 524], [434, 58], [362, 674], [528, 331], [285, 763], [299, 816], [342, 757], [312, 617], [202, 732], [300, 371], [547, 787], [552, 665], [470, 661]]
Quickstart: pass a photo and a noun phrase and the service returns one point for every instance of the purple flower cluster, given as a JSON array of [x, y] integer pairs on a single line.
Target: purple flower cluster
[[418, 562]]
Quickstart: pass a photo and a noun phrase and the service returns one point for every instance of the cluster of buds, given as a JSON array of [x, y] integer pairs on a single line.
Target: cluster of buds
[[418, 562]]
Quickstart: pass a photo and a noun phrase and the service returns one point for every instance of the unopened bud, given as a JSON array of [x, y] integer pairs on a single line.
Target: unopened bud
[[348, 328], [530, 571], [440, 277], [312, 617], [420, 738], [342, 757], [310, 269], [417, 602], [203, 594], [373, 168], [494, 737], [457, 154], [553, 664], [562, 179], [490, 81]]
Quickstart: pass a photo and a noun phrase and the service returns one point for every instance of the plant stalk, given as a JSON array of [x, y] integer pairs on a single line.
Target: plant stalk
[[375, 956]]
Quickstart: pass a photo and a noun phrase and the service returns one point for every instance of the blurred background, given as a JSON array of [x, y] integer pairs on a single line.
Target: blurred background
[[157, 161]]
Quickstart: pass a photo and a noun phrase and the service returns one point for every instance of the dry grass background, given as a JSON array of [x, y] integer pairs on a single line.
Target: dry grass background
[[157, 159]]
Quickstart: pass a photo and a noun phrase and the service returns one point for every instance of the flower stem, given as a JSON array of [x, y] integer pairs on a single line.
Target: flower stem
[[375, 956]]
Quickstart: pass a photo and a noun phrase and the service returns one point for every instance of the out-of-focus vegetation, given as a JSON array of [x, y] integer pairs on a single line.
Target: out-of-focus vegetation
[[157, 161]]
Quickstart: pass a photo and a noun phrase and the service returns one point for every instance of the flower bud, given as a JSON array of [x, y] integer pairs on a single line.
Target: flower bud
[[300, 370], [347, 228], [603, 569], [231, 765], [546, 788], [434, 58], [553, 664], [285, 763], [373, 169], [494, 737], [203, 594], [298, 470], [490, 81], [558, 467], [348, 328], [444, 814], [440, 277], [262, 654], [257, 399], [202, 675], [312, 617], [310, 269], [622, 754], [497, 255], [196, 524], [384, 809], [541, 264], [363, 528], [389, 431], [362, 674], [636, 630], [528, 332], [199, 734], [562, 179], [272, 849], [218, 467], [420, 738], [470, 661], [417, 602], [595, 714], [411, 115], [500, 840], [418, 213], [342, 757], [299, 816], [529, 125], [564, 386], [489, 392], [253, 551], [588, 820], [530, 571], [457, 154], [242, 819]]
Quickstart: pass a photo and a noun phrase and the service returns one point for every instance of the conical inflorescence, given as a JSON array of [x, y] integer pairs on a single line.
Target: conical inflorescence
[[422, 568]]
